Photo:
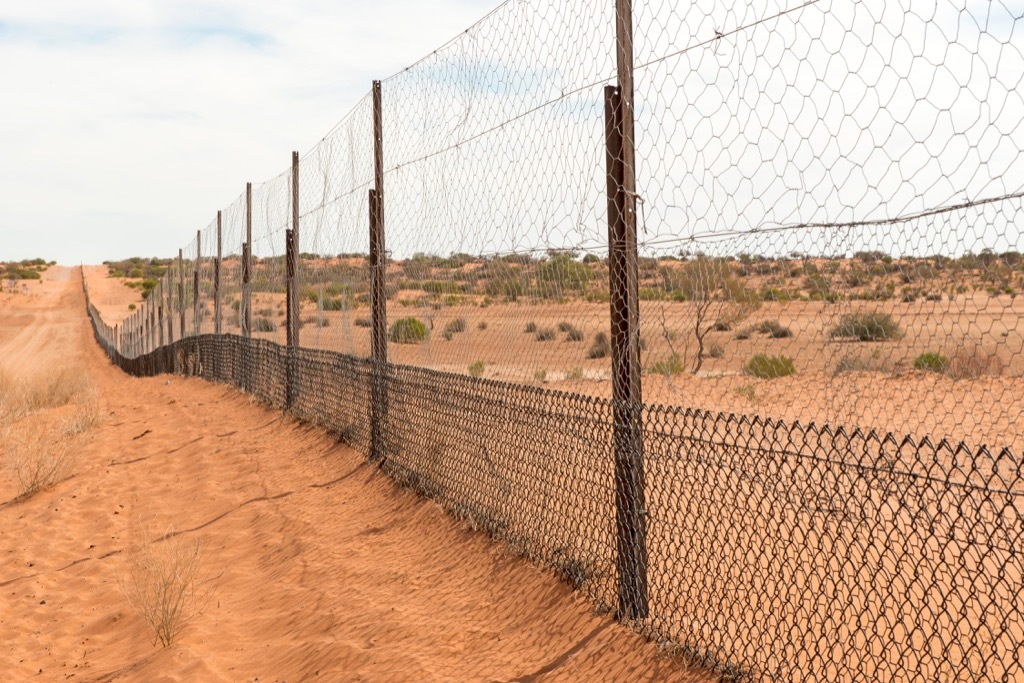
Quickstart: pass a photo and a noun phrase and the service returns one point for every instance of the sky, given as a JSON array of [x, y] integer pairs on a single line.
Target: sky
[[125, 125]]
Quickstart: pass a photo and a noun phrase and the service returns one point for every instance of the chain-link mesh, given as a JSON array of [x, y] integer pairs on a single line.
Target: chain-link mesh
[[722, 324]]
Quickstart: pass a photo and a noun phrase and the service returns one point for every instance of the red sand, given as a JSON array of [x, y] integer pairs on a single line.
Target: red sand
[[322, 568]]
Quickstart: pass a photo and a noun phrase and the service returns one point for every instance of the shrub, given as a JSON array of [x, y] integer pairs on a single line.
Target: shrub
[[722, 326], [673, 365], [601, 347], [407, 331], [932, 362], [454, 327], [743, 334], [715, 350], [574, 374], [264, 325], [972, 362], [163, 585], [540, 375], [530, 328], [873, 326], [482, 325], [546, 334], [564, 326], [574, 334], [363, 322], [770, 367], [131, 307], [774, 329], [477, 369]]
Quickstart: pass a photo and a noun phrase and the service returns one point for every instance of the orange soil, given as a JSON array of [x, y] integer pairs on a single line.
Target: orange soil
[[322, 568]]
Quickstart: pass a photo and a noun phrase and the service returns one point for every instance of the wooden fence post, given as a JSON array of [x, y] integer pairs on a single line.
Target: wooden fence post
[[631, 513], [181, 294], [196, 311], [378, 296], [292, 289], [246, 321], [216, 279]]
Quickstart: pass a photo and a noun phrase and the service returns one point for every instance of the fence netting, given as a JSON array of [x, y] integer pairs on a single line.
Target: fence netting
[[784, 427]]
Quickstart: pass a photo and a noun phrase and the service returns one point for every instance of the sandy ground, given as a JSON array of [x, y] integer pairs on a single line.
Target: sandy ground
[[321, 569]]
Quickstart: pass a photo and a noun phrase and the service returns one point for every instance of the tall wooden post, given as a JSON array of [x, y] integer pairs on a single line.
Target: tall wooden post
[[378, 300], [295, 276], [181, 293], [216, 278], [167, 290], [631, 519], [197, 319], [247, 266], [160, 320]]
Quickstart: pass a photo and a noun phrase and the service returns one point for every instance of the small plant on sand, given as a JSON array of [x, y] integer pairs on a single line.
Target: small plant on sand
[[363, 322], [868, 326], [453, 328], [530, 328], [482, 325], [264, 325], [547, 334], [774, 329], [770, 367], [408, 331], [37, 463], [601, 347], [476, 369], [574, 374], [574, 334], [540, 375], [932, 362], [747, 391], [163, 584], [673, 365]]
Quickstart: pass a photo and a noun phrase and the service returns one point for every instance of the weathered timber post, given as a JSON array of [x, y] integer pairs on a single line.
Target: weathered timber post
[[630, 499], [196, 310], [181, 294], [216, 278], [160, 320], [292, 281], [168, 295], [246, 321], [378, 301]]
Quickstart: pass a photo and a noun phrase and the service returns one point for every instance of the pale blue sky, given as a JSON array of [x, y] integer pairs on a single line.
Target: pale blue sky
[[126, 125]]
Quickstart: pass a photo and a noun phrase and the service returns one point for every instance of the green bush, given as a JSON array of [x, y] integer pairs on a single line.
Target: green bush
[[363, 322], [530, 328], [574, 334], [673, 365], [477, 369], [407, 331], [932, 362], [873, 326], [770, 367]]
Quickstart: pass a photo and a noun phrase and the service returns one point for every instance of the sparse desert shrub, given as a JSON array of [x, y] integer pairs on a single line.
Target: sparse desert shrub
[[540, 374], [407, 331], [774, 329], [574, 334], [867, 326], [531, 328], [476, 369], [972, 362], [742, 335], [932, 362], [37, 463], [601, 347], [131, 307], [315, 321], [265, 311], [673, 365], [573, 374], [564, 326], [53, 389], [482, 325], [546, 334], [715, 350], [747, 391], [163, 583], [770, 367], [363, 322], [264, 325], [722, 326], [454, 327]]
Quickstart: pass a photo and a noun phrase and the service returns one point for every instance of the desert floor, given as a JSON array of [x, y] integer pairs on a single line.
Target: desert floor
[[317, 566]]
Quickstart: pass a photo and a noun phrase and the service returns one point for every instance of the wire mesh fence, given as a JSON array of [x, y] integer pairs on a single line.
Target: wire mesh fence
[[713, 308]]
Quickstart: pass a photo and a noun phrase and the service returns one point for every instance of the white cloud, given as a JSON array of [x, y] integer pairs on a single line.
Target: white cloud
[[125, 125]]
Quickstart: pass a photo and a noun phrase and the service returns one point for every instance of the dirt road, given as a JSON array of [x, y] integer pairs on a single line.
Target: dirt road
[[321, 568]]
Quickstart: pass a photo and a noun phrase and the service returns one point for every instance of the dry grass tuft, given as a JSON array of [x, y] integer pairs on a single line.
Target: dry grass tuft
[[974, 362], [56, 388], [163, 583], [37, 463]]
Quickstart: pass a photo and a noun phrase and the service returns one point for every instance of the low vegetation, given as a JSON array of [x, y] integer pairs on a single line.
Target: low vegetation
[[163, 583], [28, 269], [601, 347], [932, 362], [764, 366], [476, 369], [408, 331], [866, 327], [673, 365]]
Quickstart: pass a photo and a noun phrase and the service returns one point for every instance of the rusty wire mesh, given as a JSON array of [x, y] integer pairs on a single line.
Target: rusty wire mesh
[[828, 214]]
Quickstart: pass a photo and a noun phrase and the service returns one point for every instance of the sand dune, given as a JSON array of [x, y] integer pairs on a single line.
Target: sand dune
[[320, 567]]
